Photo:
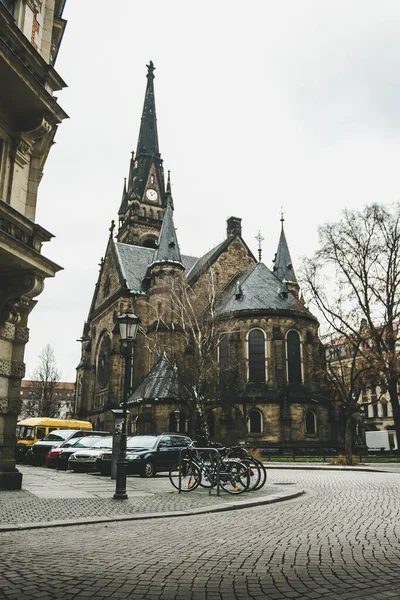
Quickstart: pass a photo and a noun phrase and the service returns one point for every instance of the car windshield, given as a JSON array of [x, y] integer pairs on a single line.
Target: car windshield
[[105, 442], [88, 442], [142, 441], [58, 436]]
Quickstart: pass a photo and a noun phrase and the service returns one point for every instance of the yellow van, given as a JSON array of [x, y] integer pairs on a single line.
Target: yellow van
[[34, 429]]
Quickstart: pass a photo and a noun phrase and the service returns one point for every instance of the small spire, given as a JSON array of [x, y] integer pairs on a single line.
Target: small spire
[[111, 230], [282, 217], [259, 239], [283, 266], [124, 200], [168, 248], [168, 190]]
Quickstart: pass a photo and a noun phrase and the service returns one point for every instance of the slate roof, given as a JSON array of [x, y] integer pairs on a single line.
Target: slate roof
[[134, 261], [283, 266], [260, 291], [160, 383], [201, 263]]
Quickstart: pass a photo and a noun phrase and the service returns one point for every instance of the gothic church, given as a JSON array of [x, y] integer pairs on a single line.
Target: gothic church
[[267, 334]]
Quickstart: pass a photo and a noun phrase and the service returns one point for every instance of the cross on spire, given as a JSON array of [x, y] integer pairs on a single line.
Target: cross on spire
[[259, 239]]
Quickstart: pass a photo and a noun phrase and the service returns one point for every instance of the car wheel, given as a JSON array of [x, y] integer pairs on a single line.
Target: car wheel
[[148, 469]]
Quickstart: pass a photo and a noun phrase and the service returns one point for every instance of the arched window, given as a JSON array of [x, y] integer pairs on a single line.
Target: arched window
[[311, 422], [255, 421], [256, 343], [293, 353], [223, 358], [177, 423]]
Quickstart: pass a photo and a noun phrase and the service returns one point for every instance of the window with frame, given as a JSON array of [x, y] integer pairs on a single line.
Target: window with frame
[[255, 421], [293, 357], [223, 357], [384, 409], [311, 423], [256, 349]]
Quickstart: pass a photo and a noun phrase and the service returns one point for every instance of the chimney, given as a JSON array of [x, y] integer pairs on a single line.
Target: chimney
[[234, 226]]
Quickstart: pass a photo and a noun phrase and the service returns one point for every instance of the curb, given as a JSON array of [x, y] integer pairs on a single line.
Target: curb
[[272, 499], [327, 468]]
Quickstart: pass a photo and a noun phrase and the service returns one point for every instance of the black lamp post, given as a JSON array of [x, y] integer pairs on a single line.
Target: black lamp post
[[128, 324], [177, 418]]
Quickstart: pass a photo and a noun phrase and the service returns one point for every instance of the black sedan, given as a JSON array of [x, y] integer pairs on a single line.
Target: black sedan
[[148, 454]]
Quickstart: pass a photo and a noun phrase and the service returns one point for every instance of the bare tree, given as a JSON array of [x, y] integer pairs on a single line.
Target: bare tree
[[354, 282], [189, 315], [43, 402]]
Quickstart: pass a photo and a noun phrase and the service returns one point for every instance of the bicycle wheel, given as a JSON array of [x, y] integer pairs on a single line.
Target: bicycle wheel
[[190, 476], [263, 472], [234, 477], [254, 471]]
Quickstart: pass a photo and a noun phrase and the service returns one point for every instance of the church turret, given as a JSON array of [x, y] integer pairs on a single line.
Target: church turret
[[145, 196], [283, 266], [168, 252]]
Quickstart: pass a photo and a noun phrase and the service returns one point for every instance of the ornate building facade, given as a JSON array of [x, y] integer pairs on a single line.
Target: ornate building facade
[[264, 332], [30, 35]]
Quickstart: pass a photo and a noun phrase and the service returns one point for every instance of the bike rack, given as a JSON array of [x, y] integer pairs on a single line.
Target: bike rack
[[203, 450]]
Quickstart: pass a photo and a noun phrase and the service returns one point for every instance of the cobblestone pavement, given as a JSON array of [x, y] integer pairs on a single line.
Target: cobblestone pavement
[[57, 497], [340, 541]]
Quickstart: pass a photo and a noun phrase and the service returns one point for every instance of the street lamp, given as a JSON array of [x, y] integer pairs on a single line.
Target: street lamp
[[128, 324], [177, 416]]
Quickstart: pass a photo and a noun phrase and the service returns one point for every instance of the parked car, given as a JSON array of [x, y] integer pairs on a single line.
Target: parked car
[[86, 459], [148, 454], [37, 453], [58, 457]]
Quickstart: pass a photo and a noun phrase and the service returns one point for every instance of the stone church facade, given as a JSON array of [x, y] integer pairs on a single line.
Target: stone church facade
[[265, 333]]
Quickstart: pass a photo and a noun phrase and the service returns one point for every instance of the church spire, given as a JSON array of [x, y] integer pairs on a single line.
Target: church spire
[[148, 137], [168, 248], [283, 266], [124, 201]]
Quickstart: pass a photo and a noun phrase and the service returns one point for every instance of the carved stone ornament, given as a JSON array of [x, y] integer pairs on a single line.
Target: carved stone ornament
[[23, 149], [7, 331], [18, 288], [3, 405], [22, 334], [18, 369]]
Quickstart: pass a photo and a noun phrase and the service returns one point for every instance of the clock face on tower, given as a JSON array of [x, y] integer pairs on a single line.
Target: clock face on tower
[[151, 195], [104, 362]]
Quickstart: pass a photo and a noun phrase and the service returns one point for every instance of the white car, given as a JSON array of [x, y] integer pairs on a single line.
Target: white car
[[86, 460]]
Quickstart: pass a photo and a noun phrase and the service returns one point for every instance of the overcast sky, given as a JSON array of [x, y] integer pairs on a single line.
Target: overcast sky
[[260, 104]]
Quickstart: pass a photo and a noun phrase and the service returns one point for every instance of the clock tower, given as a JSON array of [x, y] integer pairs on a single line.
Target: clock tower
[[144, 195]]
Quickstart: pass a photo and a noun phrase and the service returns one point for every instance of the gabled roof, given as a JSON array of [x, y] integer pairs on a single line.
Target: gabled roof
[[260, 291], [161, 383], [283, 266], [210, 257]]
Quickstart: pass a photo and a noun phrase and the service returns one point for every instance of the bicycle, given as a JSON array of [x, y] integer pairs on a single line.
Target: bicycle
[[233, 475], [240, 451]]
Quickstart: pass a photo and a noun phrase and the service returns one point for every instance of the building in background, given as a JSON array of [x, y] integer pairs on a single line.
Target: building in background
[[30, 35], [266, 340], [62, 400]]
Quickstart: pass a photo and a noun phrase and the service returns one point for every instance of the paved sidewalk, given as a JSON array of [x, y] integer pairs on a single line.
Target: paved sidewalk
[[52, 498]]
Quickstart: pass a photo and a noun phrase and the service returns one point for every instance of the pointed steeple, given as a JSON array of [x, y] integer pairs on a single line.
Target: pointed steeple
[[124, 201], [148, 137], [283, 266], [168, 248]]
